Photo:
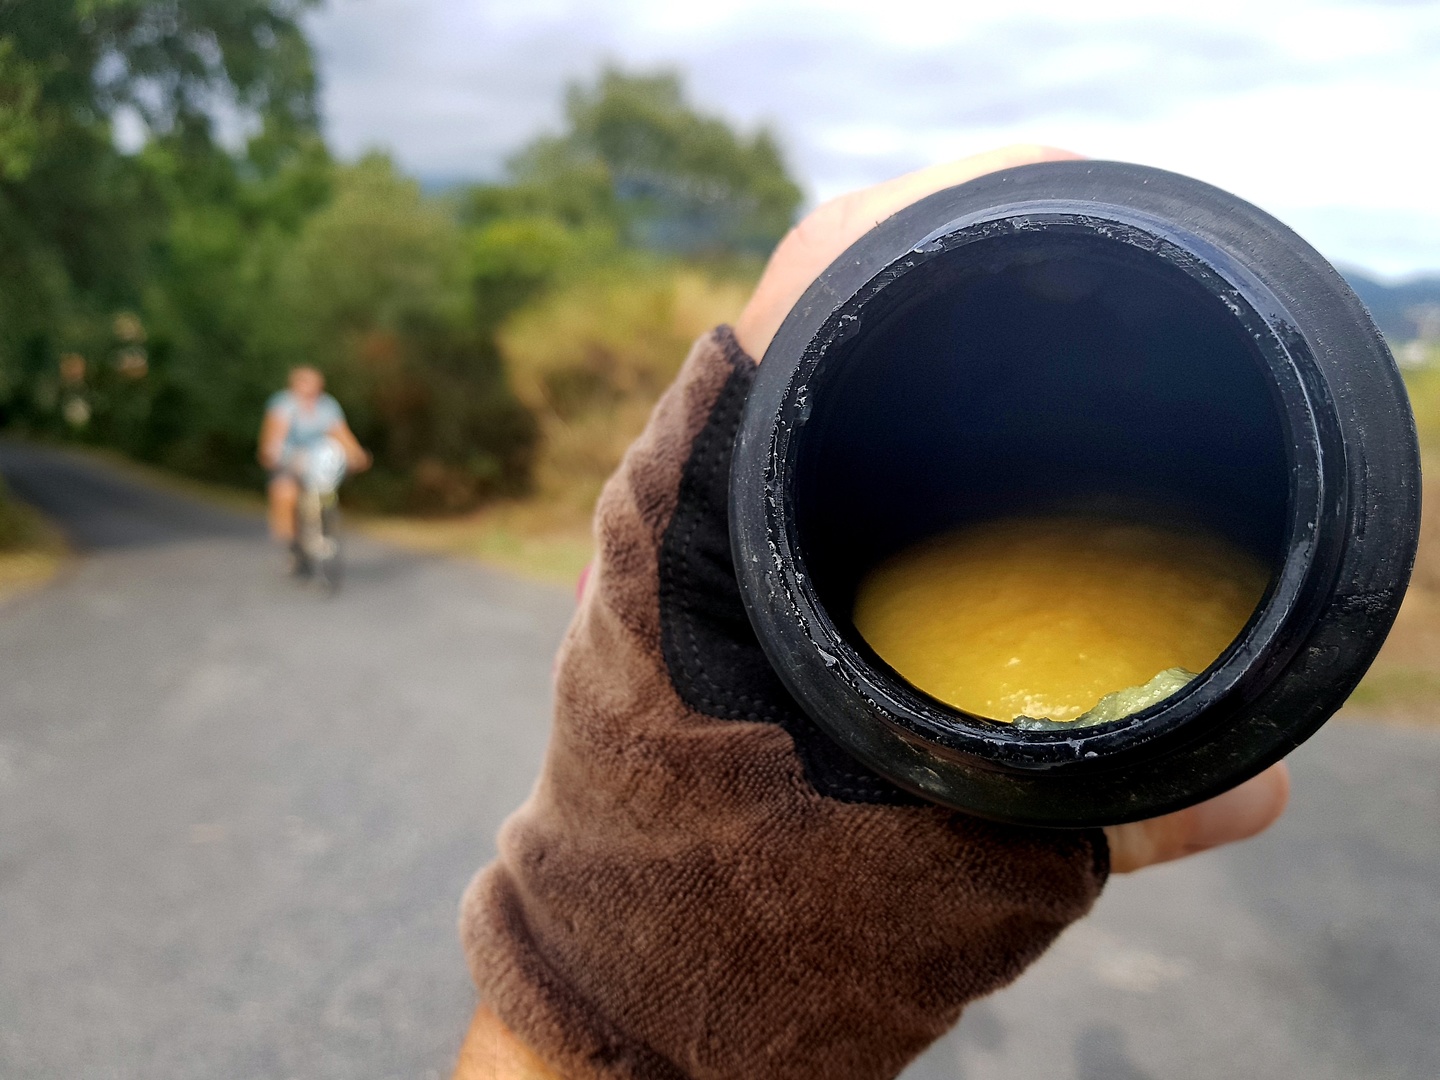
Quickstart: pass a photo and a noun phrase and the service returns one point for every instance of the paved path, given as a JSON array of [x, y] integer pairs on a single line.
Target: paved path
[[235, 816]]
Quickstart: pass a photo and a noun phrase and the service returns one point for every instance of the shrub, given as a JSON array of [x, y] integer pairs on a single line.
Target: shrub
[[590, 360], [380, 299]]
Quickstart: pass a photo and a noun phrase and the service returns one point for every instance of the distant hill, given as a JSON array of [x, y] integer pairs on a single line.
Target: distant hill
[[1405, 311]]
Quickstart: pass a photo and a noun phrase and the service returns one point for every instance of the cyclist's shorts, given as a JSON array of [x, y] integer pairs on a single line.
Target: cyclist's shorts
[[289, 465]]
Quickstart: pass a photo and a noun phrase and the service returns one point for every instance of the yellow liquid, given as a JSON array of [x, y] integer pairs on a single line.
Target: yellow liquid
[[1043, 617]]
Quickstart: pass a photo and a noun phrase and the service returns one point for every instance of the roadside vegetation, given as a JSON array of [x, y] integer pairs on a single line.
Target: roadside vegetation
[[175, 234], [588, 362], [30, 549], [1404, 684]]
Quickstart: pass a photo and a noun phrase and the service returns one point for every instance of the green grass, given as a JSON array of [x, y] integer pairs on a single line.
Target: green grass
[[1405, 681], [1423, 383], [1424, 386], [1392, 690], [531, 540], [558, 559]]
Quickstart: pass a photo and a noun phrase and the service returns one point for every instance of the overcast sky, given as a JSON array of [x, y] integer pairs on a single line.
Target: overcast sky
[[1326, 114]]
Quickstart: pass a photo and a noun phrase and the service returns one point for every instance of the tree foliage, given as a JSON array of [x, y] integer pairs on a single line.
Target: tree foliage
[[174, 235], [88, 232], [638, 158], [377, 291]]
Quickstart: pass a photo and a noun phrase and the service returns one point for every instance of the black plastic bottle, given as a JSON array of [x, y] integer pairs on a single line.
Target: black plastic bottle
[[1077, 334]]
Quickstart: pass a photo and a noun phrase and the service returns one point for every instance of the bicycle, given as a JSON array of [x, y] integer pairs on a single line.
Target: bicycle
[[316, 547]]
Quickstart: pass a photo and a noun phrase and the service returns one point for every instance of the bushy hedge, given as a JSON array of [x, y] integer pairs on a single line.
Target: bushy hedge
[[379, 292]]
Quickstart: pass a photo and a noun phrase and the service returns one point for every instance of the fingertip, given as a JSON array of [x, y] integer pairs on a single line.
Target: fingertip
[[833, 226], [1024, 153], [1243, 811], [1238, 814], [912, 186]]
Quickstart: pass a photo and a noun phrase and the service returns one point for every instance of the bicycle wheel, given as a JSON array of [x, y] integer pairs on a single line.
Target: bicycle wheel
[[330, 566], [302, 562]]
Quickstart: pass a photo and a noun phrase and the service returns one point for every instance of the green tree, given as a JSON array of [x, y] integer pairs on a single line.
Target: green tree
[[210, 306], [152, 298], [85, 230], [380, 296], [638, 157]]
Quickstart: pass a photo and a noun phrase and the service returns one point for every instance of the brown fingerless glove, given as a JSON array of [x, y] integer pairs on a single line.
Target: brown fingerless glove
[[704, 886]]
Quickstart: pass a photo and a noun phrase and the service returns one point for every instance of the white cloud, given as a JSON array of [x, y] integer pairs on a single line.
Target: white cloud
[[1322, 113]]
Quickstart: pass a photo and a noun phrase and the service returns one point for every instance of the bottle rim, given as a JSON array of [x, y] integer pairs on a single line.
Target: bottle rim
[[981, 765]]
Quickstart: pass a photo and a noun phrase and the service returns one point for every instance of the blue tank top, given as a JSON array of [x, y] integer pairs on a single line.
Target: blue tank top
[[305, 427]]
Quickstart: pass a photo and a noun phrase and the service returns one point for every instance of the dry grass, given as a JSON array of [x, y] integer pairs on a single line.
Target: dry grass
[[531, 539], [22, 571], [591, 361], [1404, 683], [31, 551]]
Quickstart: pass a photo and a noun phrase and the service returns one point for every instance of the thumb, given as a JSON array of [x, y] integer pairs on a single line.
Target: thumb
[[1238, 814]]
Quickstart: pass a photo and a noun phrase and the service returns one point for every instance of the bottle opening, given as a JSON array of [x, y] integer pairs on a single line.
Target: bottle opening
[[1025, 392]]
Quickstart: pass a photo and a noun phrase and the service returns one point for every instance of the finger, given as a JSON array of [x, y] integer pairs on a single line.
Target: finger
[[1238, 814], [832, 227]]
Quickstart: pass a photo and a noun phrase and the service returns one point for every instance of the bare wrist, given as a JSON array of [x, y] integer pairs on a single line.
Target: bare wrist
[[492, 1052]]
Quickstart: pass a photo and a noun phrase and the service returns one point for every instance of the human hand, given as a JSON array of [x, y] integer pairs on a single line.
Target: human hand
[[492, 1052], [702, 884], [825, 233]]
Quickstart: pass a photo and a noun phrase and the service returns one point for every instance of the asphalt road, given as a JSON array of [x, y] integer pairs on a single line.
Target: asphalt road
[[236, 816]]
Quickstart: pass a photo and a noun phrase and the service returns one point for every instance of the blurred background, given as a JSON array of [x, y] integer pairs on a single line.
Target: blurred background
[[237, 816]]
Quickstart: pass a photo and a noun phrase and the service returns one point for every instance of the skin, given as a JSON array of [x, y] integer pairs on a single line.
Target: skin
[[307, 384], [490, 1051]]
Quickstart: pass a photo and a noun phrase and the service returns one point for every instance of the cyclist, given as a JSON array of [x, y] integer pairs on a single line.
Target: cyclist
[[297, 419]]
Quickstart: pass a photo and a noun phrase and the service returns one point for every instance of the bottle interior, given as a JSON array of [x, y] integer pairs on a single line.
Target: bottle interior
[[1036, 374]]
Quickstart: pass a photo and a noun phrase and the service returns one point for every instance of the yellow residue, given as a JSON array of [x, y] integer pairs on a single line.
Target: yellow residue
[[1044, 617]]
